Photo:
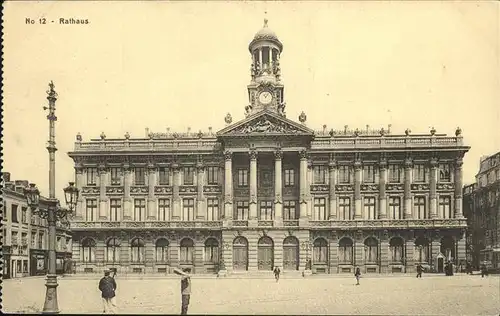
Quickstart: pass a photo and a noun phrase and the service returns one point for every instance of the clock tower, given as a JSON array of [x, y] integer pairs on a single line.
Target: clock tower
[[265, 91]]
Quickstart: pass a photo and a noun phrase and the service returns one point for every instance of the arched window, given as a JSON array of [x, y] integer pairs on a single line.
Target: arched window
[[346, 251], [161, 250], [371, 250], [88, 250], [448, 248], [211, 250], [137, 250], [113, 250], [320, 251], [396, 247], [422, 250], [187, 250]]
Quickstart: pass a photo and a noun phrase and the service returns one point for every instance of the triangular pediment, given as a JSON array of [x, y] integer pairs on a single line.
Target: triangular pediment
[[265, 123]]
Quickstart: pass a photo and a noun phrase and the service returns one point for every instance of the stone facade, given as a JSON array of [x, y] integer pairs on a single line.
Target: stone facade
[[268, 191], [482, 207]]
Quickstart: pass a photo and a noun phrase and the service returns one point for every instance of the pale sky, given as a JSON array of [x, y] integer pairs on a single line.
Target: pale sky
[[186, 64]]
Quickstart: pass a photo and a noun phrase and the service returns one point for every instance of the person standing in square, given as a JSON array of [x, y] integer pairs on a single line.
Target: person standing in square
[[107, 286], [185, 288], [357, 274]]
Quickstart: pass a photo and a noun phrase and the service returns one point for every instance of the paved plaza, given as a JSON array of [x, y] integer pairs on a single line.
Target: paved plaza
[[382, 295]]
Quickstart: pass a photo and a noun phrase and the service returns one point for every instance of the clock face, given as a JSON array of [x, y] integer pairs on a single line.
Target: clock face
[[265, 97]]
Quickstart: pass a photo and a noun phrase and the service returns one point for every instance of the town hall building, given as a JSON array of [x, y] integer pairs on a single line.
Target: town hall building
[[268, 191]]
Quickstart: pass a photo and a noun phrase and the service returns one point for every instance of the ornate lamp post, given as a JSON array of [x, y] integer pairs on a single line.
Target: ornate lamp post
[[54, 210]]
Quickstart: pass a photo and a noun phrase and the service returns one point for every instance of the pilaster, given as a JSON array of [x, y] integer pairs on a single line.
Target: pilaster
[[384, 252], [333, 253], [103, 199], [176, 205], [408, 205], [458, 188], [278, 188], [253, 186], [332, 173], [359, 248], [79, 184], [127, 200], [201, 207], [433, 188], [382, 213], [228, 188], [357, 189], [409, 253], [303, 188], [151, 192]]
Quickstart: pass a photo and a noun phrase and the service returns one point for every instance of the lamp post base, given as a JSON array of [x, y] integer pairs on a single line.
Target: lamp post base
[[50, 306]]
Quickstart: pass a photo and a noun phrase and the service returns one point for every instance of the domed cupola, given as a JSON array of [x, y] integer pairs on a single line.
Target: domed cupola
[[265, 90]]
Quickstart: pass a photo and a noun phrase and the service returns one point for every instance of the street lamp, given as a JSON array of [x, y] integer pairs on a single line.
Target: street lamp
[[54, 211], [52, 214]]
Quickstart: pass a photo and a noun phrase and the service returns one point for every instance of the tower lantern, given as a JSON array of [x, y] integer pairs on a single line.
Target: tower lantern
[[265, 90]]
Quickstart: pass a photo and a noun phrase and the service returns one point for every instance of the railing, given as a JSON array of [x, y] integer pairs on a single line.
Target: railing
[[76, 225], [240, 223], [172, 143], [401, 224], [388, 141], [266, 223], [291, 223]]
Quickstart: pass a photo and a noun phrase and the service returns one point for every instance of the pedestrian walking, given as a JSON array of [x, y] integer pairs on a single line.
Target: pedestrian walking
[[484, 271], [420, 269], [277, 272], [107, 286], [357, 274], [185, 288]]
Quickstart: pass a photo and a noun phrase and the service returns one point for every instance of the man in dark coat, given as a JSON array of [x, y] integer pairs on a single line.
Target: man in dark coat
[[277, 272], [420, 269], [107, 286], [185, 288]]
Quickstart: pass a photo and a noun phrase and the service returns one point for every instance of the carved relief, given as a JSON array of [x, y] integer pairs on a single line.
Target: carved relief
[[420, 187], [252, 154], [445, 186], [278, 155], [369, 187], [394, 187], [90, 190], [344, 187], [163, 190], [114, 190], [318, 188], [265, 125], [138, 190]]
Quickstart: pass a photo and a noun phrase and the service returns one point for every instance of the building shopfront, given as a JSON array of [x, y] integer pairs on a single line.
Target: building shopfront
[[268, 191]]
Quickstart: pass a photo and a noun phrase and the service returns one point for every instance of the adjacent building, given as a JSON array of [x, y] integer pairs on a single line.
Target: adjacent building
[[482, 207], [25, 235], [268, 191]]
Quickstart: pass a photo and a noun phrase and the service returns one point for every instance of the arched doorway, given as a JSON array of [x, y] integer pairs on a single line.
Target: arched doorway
[[397, 251], [422, 250], [265, 255], [291, 253], [187, 251], [320, 256], [448, 248], [240, 254], [371, 251], [346, 251]]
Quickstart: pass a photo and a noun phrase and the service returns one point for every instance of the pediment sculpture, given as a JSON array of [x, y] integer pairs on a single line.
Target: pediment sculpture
[[264, 125]]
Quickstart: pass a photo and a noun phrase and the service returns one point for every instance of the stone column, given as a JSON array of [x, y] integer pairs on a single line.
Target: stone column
[[357, 190], [332, 173], [127, 200], [303, 188], [384, 252], [309, 181], [458, 188], [408, 205], [278, 188], [382, 199], [461, 247], [151, 192], [433, 188], [435, 248], [334, 253], [200, 207], [176, 205], [228, 187], [409, 253], [103, 199], [359, 249], [253, 185], [79, 184]]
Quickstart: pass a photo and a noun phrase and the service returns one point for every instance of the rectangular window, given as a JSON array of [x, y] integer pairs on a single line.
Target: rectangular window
[[394, 174], [395, 207], [241, 210], [319, 173], [139, 176], [242, 177], [164, 176], [368, 174], [419, 173], [289, 177], [419, 207], [188, 173], [369, 208], [345, 208], [163, 209], [289, 210], [188, 209], [92, 176], [445, 207], [266, 210], [115, 176], [344, 174], [90, 210], [444, 173], [14, 213], [320, 209], [24, 215], [139, 210], [212, 209], [115, 208], [40, 241], [33, 239], [212, 175]]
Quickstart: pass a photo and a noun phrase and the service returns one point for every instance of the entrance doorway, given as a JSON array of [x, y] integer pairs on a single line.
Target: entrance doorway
[[440, 264], [265, 256], [240, 254], [290, 253]]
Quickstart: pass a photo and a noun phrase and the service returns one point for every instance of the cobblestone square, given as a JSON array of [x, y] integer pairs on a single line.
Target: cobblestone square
[[431, 295]]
